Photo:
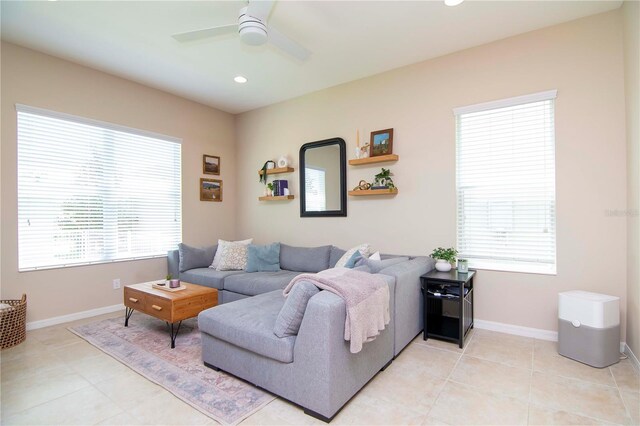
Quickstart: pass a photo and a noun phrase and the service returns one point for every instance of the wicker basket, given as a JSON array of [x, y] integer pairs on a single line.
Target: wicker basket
[[13, 328]]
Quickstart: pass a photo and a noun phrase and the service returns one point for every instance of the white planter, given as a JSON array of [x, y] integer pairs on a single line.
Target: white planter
[[443, 265]]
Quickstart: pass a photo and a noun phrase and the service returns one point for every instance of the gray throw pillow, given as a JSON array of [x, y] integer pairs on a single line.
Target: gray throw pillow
[[263, 258], [290, 316], [304, 259], [194, 257], [378, 265], [336, 254]]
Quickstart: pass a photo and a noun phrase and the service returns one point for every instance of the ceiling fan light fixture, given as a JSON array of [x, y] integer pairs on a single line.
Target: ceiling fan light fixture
[[253, 31], [452, 2], [240, 79]]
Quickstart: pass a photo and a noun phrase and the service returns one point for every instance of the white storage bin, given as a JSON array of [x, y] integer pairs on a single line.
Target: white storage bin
[[589, 327]]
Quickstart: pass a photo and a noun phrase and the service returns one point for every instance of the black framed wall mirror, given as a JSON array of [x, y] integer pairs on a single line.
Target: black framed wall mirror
[[323, 178]]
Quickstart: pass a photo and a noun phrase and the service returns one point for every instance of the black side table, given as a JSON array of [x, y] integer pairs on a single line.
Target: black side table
[[448, 305]]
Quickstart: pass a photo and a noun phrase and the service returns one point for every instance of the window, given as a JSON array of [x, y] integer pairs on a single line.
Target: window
[[93, 192], [316, 198], [505, 167]]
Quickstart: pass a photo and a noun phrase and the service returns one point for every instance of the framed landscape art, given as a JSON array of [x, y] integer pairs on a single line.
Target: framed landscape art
[[381, 143], [210, 189], [210, 165]]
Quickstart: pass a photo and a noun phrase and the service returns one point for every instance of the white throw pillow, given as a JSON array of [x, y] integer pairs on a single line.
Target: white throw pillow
[[220, 249], [233, 257], [375, 256], [365, 251]]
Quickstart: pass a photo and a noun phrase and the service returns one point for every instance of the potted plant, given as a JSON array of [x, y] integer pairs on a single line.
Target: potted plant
[[168, 279], [444, 258], [270, 188], [383, 179]]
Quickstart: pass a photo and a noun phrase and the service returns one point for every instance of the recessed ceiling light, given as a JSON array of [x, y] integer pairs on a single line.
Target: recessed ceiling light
[[240, 79], [452, 2]]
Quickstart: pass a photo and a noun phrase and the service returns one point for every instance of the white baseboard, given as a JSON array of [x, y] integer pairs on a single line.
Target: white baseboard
[[632, 357], [537, 333], [33, 325], [517, 330]]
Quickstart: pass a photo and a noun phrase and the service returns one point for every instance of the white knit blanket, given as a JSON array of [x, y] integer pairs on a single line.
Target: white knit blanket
[[365, 295]]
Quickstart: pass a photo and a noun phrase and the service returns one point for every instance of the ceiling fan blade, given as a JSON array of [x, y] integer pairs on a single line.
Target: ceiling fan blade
[[205, 33], [260, 9], [287, 45]]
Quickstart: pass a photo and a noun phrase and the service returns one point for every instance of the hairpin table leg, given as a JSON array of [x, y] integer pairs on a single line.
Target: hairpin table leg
[[127, 315], [173, 333]]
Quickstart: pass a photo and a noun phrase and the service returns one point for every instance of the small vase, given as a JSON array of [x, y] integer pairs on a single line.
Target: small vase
[[443, 266]]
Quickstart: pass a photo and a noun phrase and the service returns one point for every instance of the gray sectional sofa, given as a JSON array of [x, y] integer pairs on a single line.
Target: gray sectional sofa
[[314, 368]]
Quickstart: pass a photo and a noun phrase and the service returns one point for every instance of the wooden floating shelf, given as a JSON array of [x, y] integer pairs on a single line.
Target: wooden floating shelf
[[373, 160], [277, 170], [393, 191], [276, 198]]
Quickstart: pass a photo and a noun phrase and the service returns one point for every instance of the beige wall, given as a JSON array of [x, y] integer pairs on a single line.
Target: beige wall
[[582, 59], [631, 13], [39, 80]]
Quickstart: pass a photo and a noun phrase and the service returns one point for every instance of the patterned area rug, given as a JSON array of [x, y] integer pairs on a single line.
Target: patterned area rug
[[144, 346]]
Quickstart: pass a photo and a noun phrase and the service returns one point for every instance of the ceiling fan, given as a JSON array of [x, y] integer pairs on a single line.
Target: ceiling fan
[[253, 30]]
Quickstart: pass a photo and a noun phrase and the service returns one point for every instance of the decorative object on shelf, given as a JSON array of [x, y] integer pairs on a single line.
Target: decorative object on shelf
[[270, 189], [463, 266], [283, 161], [363, 185], [381, 143], [270, 164], [286, 192], [210, 165], [361, 151], [444, 258], [210, 190], [383, 180], [279, 186]]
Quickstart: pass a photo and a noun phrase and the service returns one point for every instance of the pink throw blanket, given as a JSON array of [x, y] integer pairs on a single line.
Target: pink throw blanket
[[366, 297]]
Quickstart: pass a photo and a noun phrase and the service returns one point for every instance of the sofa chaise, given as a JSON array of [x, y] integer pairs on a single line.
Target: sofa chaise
[[315, 368]]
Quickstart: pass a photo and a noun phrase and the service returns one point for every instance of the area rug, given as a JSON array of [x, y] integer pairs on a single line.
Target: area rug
[[144, 346]]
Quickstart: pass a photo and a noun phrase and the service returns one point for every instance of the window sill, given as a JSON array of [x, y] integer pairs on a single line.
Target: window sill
[[517, 269]]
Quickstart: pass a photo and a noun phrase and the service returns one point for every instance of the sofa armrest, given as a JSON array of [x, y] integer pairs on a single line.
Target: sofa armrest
[[409, 319], [320, 347], [173, 263]]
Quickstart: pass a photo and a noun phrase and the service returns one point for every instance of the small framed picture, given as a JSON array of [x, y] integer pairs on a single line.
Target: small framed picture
[[210, 165], [210, 189], [381, 143]]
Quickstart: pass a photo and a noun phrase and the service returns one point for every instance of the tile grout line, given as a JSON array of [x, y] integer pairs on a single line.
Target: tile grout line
[[626, 409], [446, 380], [533, 358]]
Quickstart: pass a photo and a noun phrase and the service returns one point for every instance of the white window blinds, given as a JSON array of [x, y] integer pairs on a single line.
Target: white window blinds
[[93, 192], [315, 192], [505, 164]]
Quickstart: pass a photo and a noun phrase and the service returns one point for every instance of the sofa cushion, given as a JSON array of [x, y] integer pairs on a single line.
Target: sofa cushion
[[249, 323], [259, 282], [292, 312], [357, 256], [364, 249], [233, 257], [221, 244], [194, 257], [207, 277], [304, 259], [376, 266], [263, 258], [336, 254]]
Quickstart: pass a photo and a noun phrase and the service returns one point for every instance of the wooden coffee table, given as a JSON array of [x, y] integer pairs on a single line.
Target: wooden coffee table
[[172, 307]]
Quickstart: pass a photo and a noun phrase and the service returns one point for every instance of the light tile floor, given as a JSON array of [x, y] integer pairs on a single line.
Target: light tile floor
[[57, 378]]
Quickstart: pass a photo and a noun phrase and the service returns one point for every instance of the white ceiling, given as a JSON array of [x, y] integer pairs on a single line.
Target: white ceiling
[[349, 40]]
